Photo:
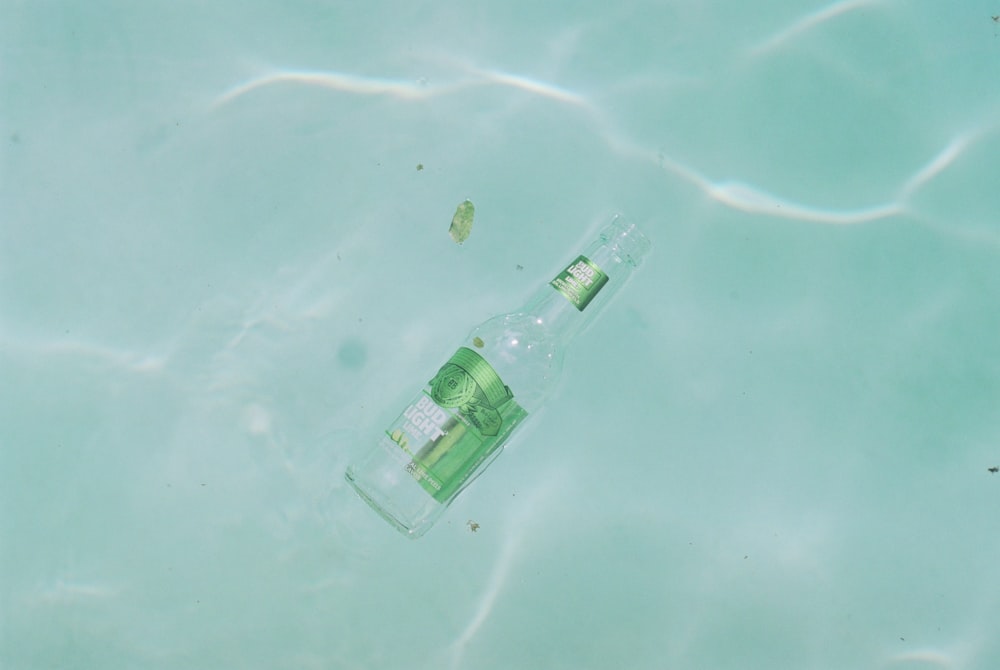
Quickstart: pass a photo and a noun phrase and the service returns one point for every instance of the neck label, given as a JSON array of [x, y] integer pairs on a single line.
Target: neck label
[[580, 282]]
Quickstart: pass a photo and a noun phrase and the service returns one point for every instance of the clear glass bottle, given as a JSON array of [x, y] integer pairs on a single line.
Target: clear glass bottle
[[503, 372]]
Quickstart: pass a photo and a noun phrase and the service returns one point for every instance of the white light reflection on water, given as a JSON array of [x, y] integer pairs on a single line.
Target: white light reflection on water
[[913, 660], [487, 599], [807, 23], [734, 193], [61, 591], [517, 531], [72, 347]]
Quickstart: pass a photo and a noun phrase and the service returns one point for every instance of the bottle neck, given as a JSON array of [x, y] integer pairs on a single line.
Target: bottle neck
[[570, 302]]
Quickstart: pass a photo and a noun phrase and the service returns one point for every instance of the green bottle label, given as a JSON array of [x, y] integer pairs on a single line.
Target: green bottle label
[[580, 282], [463, 415]]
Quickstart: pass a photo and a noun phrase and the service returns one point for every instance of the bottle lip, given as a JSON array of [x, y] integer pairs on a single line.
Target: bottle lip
[[626, 237]]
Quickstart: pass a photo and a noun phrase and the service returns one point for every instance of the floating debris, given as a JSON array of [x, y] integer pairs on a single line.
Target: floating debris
[[473, 526], [420, 166], [478, 341], [994, 469], [461, 223]]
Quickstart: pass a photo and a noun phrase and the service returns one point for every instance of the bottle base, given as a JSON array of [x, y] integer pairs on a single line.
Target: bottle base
[[384, 508]]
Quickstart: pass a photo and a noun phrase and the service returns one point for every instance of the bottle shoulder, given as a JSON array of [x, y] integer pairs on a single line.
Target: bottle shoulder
[[524, 353], [518, 333]]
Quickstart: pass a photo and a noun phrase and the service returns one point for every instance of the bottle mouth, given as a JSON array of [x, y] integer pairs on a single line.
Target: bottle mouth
[[627, 240]]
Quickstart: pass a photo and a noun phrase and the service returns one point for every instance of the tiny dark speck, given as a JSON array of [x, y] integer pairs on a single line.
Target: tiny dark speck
[[994, 469]]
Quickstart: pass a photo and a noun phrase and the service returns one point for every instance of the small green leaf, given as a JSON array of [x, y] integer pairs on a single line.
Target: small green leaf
[[461, 223]]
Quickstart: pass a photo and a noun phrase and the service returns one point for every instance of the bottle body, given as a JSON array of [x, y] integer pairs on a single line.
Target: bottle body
[[459, 422], [500, 374]]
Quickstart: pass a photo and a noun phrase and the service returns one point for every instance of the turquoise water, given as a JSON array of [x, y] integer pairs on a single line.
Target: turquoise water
[[220, 269]]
